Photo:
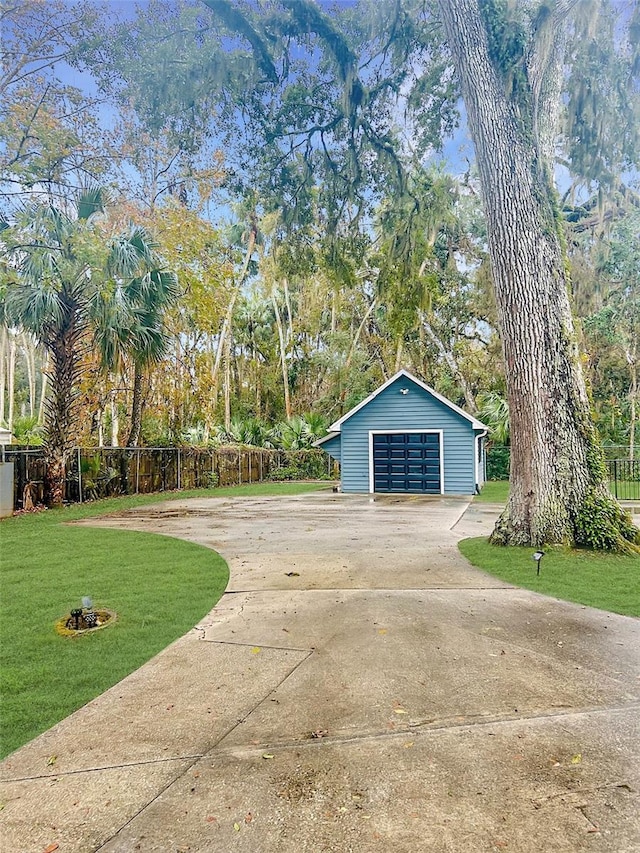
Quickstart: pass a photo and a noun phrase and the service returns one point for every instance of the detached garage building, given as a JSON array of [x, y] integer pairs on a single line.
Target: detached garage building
[[407, 438]]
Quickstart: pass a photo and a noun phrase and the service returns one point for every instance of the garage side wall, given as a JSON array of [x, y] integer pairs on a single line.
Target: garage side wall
[[333, 447], [417, 410]]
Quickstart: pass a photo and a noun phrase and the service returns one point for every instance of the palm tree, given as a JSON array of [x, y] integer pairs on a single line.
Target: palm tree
[[129, 318], [54, 264], [71, 289]]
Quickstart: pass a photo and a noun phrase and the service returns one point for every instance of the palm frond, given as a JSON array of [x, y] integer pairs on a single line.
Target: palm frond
[[92, 201]]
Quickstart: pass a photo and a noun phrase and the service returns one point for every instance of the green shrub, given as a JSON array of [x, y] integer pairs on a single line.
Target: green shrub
[[289, 472], [302, 465], [498, 458]]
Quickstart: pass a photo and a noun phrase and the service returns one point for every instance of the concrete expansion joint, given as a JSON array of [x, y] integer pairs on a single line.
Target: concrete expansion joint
[[209, 752], [168, 759], [426, 728], [566, 796], [373, 589], [308, 650], [192, 758], [465, 508]]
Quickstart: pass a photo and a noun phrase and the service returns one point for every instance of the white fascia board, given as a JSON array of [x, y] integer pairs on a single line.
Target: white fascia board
[[327, 437], [475, 423]]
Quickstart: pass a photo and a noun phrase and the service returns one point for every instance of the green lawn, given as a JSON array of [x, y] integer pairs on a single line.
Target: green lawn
[[160, 587], [494, 492], [627, 490], [608, 581], [497, 491]]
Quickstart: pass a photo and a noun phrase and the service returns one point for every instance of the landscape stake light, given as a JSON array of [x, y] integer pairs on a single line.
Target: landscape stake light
[[537, 557]]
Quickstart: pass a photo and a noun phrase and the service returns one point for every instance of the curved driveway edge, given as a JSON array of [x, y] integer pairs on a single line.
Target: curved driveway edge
[[359, 687]]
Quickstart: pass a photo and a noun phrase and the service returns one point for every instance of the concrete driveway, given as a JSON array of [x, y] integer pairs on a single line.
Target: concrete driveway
[[359, 688]]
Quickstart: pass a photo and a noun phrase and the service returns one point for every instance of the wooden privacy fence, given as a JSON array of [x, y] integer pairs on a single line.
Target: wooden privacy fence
[[100, 472]]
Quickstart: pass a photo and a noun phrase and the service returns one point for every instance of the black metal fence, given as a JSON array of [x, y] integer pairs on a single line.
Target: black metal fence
[[624, 473], [100, 472], [624, 478]]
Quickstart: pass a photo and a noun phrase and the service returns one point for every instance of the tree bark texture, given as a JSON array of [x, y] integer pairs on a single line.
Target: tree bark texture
[[557, 470], [11, 381], [4, 334], [136, 407], [283, 356], [449, 359], [65, 369]]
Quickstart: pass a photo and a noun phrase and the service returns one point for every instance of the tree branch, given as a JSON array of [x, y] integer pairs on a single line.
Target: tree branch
[[237, 22]]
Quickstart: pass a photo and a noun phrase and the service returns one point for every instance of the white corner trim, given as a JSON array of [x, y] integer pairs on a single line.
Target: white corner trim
[[478, 457], [438, 432]]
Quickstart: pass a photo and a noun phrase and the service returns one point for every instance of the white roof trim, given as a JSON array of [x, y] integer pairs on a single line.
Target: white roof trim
[[327, 437], [476, 424]]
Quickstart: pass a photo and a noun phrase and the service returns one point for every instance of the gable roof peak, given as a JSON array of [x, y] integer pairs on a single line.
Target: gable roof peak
[[475, 423]]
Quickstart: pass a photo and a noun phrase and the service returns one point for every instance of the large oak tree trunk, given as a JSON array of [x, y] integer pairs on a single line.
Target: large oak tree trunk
[[557, 473]]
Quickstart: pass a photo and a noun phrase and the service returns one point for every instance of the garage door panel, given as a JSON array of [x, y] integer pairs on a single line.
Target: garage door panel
[[415, 452], [398, 484], [393, 438], [407, 462], [415, 469], [398, 453]]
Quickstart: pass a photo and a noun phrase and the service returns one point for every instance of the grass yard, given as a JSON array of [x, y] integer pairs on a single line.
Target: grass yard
[[160, 587], [497, 491], [625, 490], [607, 581], [494, 492]]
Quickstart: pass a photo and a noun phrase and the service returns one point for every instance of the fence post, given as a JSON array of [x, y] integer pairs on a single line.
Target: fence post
[[138, 471], [178, 471], [239, 467], [79, 476], [615, 477]]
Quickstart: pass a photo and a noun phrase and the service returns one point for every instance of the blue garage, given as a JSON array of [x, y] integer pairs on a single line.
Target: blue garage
[[408, 438]]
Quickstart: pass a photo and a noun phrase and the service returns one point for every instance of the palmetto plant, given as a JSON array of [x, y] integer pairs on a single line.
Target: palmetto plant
[[251, 431], [494, 411], [299, 433], [316, 425]]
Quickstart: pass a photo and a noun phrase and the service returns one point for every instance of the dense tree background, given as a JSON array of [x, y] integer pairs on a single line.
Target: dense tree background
[[295, 166]]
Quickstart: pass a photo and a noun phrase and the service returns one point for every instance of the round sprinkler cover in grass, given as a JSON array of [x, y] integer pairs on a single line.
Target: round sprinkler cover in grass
[[82, 620]]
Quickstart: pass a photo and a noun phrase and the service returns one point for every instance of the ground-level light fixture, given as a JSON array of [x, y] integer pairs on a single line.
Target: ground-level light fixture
[[537, 557]]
